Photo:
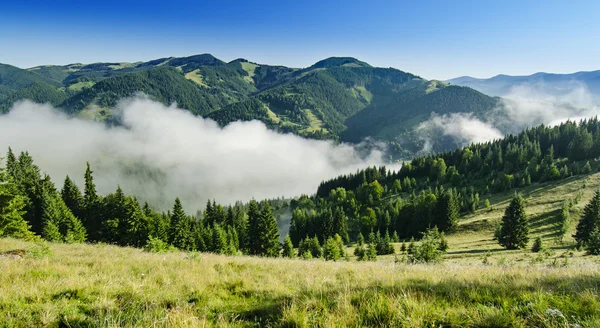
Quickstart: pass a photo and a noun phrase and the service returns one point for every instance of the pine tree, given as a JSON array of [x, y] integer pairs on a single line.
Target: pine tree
[[340, 224], [220, 244], [90, 209], [514, 232], [180, 234], [268, 237], [12, 223], [72, 197], [288, 247], [331, 250], [447, 212], [253, 242], [538, 245], [58, 223], [137, 228], [590, 220]]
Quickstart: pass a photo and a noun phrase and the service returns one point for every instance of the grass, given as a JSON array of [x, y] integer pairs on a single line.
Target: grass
[[80, 85], [478, 285], [315, 124], [249, 68], [196, 77], [108, 286]]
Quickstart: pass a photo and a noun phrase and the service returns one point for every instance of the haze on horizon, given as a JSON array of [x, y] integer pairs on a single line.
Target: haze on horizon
[[436, 40]]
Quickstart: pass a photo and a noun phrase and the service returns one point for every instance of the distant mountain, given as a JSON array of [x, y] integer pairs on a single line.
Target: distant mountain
[[546, 83], [338, 98]]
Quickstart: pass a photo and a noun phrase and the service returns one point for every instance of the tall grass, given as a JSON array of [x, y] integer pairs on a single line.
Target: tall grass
[[108, 286]]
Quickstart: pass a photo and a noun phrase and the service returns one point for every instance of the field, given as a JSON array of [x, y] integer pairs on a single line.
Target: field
[[478, 283]]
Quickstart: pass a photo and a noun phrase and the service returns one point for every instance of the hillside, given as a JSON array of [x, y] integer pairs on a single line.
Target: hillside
[[544, 83], [339, 98]]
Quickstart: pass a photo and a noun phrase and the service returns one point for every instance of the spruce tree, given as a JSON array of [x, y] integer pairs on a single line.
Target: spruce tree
[[58, 223], [514, 233], [331, 250], [72, 197], [90, 210], [590, 220], [253, 242], [12, 223], [180, 234], [268, 237], [340, 224], [288, 247], [137, 227]]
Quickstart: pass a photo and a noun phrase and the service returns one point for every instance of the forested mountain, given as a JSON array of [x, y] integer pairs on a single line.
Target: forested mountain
[[546, 83], [339, 98]]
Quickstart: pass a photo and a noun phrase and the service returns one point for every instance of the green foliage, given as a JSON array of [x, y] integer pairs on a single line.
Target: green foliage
[[538, 245], [514, 233], [564, 220], [288, 247], [430, 249], [331, 250], [263, 231], [180, 234], [12, 223], [589, 222], [592, 246], [156, 245]]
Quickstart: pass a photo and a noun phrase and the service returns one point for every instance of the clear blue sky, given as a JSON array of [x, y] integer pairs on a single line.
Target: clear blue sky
[[434, 39]]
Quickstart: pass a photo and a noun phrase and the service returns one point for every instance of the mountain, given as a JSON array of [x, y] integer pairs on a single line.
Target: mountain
[[338, 98], [546, 83]]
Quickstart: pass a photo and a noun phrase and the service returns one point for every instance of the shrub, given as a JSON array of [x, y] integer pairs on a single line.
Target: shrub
[[156, 245]]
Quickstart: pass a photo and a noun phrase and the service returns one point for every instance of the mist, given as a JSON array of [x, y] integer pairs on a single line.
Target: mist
[[526, 105], [161, 152]]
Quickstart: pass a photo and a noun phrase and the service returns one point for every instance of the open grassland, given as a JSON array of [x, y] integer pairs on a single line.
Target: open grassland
[[101, 285], [477, 285]]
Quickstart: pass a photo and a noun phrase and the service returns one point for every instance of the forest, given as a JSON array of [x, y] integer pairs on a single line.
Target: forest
[[374, 207]]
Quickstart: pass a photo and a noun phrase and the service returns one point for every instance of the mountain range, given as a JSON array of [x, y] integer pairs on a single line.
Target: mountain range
[[338, 98], [557, 85]]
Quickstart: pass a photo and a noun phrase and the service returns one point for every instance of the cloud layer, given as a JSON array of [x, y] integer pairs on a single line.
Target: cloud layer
[[164, 152]]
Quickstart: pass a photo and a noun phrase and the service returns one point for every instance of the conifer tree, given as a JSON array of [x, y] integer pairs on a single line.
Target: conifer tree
[[180, 234], [340, 224], [268, 237], [12, 223], [253, 242], [331, 250], [590, 220], [72, 197], [288, 248], [90, 210], [514, 232], [58, 223]]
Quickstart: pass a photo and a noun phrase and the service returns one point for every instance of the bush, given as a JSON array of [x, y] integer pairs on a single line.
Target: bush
[[156, 245], [429, 249], [537, 245]]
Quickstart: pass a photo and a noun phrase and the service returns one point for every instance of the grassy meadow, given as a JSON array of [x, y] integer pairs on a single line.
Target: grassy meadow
[[477, 285]]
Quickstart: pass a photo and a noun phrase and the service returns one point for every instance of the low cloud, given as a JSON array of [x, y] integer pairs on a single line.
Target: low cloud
[[160, 153], [526, 105]]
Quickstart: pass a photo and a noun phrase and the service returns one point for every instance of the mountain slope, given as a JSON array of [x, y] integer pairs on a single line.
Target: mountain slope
[[547, 83], [339, 98], [13, 78]]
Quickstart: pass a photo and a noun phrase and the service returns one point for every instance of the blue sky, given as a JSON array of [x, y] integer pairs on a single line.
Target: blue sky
[[434, 39]]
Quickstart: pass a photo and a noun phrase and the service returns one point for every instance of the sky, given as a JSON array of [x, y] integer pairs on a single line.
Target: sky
[[433, 39]]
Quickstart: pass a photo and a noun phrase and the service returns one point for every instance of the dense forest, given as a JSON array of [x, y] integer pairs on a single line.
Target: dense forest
[[373, 207]]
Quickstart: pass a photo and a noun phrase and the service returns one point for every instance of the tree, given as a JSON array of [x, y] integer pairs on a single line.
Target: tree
[[288, 247], [12, 223], [340, 224], [430, 248], [447, 212], [72, 197], [538, 245], [264, 233], [514, 232], [58, 223], [564, 220], [331, 250], [180, 234], [90, 210], [590, 220]]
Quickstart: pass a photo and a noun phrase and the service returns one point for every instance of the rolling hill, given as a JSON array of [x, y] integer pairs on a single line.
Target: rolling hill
[[338, 98]]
